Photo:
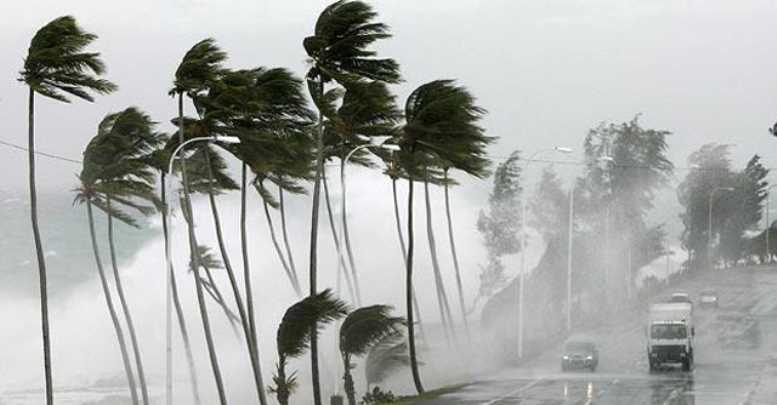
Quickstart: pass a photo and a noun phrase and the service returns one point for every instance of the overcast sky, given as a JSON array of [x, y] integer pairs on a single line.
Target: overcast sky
[[546, 70]]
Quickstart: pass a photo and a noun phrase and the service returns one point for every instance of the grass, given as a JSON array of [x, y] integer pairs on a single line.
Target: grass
[[428, 395]]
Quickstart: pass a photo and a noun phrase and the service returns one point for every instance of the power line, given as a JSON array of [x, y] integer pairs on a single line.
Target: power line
[[48, 155]]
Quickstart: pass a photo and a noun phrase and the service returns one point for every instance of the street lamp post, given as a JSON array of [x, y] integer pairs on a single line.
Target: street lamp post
[[169, 262], [521, 276], [377, 142], [709, 220]]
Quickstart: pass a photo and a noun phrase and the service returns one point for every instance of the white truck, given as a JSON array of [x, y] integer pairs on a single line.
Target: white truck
[[670, 335]]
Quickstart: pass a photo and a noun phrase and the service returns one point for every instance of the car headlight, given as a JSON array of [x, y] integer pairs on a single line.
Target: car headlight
[[565, 357], [590, 358]]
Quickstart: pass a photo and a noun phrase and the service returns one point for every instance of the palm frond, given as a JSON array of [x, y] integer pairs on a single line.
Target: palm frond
[[442, 121], [199, 67], [296, 328], [340, 46], [366, 327], [57, 66]]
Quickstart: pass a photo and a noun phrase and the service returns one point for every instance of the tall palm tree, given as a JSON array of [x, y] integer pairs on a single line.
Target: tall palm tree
[[56, 67], [124, 140], [263, 107], [301, 322], [441, 122], [339, 50], [198, 69], [159, 159], [116, 169], [361, 330]]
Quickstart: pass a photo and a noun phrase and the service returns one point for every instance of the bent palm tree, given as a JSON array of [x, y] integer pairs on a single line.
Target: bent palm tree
[[301, 322], [197, 71], [339, 50], [441, 123], [124, 140], [56, 67], [361, 330]]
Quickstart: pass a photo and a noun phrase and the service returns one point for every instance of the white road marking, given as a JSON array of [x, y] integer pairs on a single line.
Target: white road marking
[[511, 393]]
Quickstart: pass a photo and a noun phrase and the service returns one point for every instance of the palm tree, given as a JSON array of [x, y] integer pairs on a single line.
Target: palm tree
[[159, 159], [124, 140], [441, 121], [385, 358], [301, 322], [361, 330], [263, 107], [339, 50], [198, 69], [56, 67]]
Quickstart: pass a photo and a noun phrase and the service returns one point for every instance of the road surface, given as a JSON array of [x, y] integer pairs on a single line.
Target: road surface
[[734, 361]]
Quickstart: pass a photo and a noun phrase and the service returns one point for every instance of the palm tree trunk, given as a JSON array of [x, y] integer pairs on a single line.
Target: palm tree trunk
[[111, 310], [193, 246], [409, 291], [253, 344], [455, 258], [286, 240], [282, 390], [348, 386], [278, 250], [178, 309], [442, 297], [347, 238], [125, 307], [416, 308], [314, 247], [338, 248], [44, 297]]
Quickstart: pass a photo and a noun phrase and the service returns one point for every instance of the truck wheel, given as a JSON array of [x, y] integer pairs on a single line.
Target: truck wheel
[[652, 367], [687, 364]]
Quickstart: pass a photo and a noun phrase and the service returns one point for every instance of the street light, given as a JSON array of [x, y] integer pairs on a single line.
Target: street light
[[709, 220], [169, 259], [523, 244]]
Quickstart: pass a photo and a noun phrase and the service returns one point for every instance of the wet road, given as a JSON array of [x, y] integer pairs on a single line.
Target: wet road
[[734, 358]]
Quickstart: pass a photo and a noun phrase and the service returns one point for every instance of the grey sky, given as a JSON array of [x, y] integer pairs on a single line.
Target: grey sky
[[547, 71]]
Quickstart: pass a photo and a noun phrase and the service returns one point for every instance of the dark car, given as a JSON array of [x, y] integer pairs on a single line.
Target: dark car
[[579, 355]]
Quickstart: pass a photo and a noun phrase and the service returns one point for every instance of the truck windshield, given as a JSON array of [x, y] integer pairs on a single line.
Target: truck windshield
[[668, 331]]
